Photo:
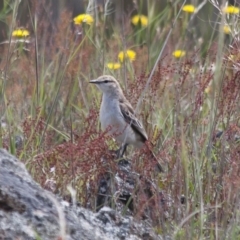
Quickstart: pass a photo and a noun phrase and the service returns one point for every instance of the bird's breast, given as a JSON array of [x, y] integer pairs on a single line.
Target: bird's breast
[[112, 121], [111, 116]]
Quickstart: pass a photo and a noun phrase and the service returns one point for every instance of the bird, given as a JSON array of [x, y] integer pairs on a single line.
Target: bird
[[118, 118]]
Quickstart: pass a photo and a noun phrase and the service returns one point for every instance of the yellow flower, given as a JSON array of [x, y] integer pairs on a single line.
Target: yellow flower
[[231, 10], [226, 29], [179, 53], [20, 33], [142, 19], [208, 89], [113, 66], [235, 57], [129, 54], [83, 18], [188, 8]]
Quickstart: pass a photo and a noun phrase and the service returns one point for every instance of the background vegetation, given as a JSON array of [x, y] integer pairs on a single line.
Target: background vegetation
[[188, 101]]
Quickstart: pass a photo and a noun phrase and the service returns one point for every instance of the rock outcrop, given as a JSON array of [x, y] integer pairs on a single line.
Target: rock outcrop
[[27, 211]]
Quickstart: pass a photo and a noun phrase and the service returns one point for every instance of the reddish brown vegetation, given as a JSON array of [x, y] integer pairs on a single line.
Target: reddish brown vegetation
[[176, 111]]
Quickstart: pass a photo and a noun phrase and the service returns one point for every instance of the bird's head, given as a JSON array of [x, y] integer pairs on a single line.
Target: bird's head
[[107, 84]]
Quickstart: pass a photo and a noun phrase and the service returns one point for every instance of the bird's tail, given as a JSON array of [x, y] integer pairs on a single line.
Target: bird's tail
[[154, 158]]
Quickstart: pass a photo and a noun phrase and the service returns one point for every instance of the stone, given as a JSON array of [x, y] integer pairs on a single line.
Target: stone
[[29, 212]]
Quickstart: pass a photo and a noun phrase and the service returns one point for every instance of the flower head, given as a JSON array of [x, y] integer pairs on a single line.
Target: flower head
[[208, 89], [113, 66], [179, 53], [231, 10], [226, 29], [188, 8], [20, 33], [128, 54], [142, 19], [234, 58], [83, 18]]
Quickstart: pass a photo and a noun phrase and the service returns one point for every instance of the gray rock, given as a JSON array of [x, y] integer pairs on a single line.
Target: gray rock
[[29, 212]]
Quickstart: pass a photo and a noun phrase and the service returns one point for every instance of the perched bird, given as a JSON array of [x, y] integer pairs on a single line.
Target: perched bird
[[117, 116]]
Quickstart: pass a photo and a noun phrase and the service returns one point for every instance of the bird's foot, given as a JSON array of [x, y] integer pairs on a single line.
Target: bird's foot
[[120, 152]]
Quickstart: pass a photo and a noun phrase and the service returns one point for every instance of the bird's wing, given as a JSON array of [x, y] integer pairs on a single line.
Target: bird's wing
[[129, 116]]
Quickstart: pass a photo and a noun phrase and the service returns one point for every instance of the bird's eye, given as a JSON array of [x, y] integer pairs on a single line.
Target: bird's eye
[[106, 81]]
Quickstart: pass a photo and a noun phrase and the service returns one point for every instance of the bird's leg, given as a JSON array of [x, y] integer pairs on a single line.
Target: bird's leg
[[121, 150], [124, 148]]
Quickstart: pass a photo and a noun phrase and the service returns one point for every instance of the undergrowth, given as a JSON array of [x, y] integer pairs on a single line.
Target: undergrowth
[[190, 111]]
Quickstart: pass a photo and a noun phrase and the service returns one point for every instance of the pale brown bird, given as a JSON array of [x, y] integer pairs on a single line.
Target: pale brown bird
[[117, 115]]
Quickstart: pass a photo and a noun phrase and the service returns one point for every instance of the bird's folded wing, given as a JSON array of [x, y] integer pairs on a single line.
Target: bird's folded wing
[[130, 118]]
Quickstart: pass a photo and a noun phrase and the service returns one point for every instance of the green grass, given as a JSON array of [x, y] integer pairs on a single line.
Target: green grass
[[45, 97]]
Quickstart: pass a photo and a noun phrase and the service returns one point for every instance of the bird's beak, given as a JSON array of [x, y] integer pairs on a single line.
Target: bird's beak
[[93, 81]]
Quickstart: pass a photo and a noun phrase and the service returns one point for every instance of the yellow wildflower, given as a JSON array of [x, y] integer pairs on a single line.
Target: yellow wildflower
[[231, 10], [208, 89], [128, 54], [113, 66], [20, 33], [179, 53], [83, 18], [142, 19], [235, 57], [188, 8], [226, 29]]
